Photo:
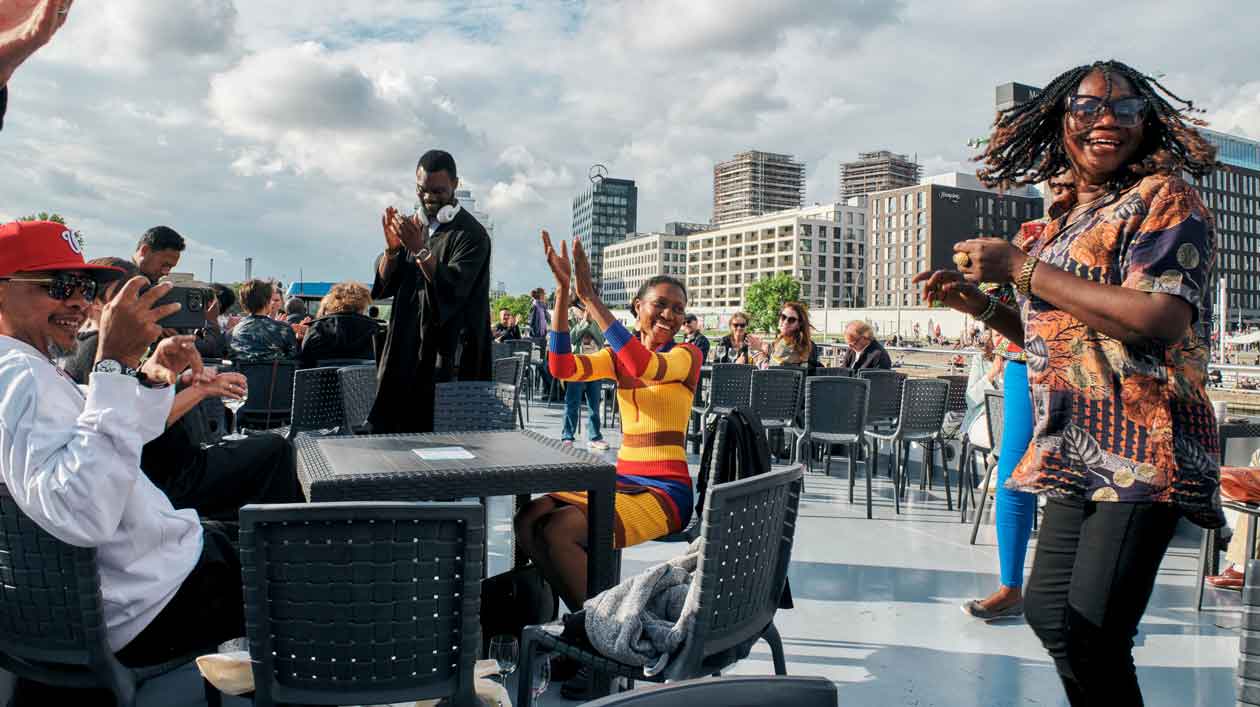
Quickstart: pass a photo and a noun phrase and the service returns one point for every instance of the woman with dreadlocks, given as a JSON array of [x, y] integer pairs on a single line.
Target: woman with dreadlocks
[[1112, 306]]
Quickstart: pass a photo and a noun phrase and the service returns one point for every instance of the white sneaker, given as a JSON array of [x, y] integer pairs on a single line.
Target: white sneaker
[[599, 445], [566, 442]]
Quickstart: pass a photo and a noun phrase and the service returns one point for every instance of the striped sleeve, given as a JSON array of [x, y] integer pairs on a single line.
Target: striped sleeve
[[680, 363], [568, 366]]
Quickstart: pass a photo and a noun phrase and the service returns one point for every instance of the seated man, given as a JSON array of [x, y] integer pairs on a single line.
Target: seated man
[[258, 338], [70, 458], [215, 480], [864, 351]]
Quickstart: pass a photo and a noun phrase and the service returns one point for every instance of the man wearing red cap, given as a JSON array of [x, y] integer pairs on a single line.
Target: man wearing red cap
[[70, 457]]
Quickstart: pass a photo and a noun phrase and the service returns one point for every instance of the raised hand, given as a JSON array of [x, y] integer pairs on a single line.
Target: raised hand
[[411, 232], [952, 289], [25, 26], [584, 284], [129, 323], [559, 263], [388, 224], [989, 260], [171, 358], [223, 385]]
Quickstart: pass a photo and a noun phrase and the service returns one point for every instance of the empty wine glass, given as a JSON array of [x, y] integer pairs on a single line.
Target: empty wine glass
[[541, 678], [235, 404], [503, 650]]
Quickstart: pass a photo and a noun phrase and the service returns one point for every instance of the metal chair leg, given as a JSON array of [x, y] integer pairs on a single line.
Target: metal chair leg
[[771, 634], [984, 498], [949, 501], [895, 468], [869, 459], [1207, 545]]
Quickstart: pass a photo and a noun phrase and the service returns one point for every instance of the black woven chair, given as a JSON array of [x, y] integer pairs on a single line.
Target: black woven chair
[[730, 387], [511, 371], [500, 349], [883, 403], [358, 394], [967, 478], [317, 403], [776, 399], [270, 401], [362, 603], [923, 402], [52, 617], [746, 547], [1208, 555], [833, 372], [994, 411], [612, 414], [835, 413], [343, 362], [463, 406], [732, 691]]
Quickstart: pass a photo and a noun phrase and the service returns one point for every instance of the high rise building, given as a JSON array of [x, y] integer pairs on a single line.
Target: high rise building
[[877, 171], [602, 215], [1232, 193], [641, 256], [914, 229], [1009, 95], [822, 246], [469, 203], [684, 228], [754, 183]]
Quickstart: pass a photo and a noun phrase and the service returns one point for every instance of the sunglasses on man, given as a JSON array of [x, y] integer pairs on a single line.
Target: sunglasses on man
[[1128, 111], [61, 286]]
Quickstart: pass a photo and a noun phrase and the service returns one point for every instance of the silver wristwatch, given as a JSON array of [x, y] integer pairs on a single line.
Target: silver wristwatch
[[421, 254], [109, 365]]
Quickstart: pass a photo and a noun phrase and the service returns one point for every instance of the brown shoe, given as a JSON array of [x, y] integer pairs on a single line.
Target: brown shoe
[[1229, 579]]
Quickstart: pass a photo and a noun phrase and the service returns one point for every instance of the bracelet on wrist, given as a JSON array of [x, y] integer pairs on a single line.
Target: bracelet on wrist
[[990, 310], [1023, 282]]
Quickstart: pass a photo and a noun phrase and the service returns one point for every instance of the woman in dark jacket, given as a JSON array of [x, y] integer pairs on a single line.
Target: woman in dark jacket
[[342, 330]]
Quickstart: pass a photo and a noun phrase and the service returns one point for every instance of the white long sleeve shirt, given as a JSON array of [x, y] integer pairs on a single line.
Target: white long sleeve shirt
[[72, 464]]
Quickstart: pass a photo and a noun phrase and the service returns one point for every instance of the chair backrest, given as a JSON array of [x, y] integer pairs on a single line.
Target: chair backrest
[[463, 406], [731, 691], [923, 402], [500, 349], [509, 370], [358, 394], [957, 399], [270, 389], [747, 534], [836, 404], [732, 385], [362, 603], [833, 372], [776, 393], [993, 412], [525, 346], [343, 362], [884, 400], [316, 400]]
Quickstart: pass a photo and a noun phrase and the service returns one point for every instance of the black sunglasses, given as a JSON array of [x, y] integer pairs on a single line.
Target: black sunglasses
[[738, 325], [1128, 111], [788, 318], [62, 286]]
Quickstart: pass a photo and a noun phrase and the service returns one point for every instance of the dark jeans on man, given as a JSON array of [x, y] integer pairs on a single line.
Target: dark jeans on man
[[218, 480], [1092, 577], [574, 393]]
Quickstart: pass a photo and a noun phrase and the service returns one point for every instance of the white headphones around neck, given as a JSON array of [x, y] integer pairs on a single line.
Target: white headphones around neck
[[445, 215]]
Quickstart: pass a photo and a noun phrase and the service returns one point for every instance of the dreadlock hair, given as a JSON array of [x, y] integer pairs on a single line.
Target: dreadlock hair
[[1026, 146]]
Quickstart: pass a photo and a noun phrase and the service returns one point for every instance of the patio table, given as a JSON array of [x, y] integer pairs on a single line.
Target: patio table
[[516, 463]]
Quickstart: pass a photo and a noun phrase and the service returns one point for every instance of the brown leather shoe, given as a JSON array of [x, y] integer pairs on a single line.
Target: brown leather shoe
[[1229, 579]]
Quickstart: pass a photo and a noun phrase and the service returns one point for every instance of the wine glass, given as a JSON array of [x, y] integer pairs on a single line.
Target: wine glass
[[541, 678], [235, 404], [503, 650]]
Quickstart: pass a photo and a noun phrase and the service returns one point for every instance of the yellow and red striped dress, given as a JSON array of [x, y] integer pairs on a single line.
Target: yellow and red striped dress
[[654, 394]]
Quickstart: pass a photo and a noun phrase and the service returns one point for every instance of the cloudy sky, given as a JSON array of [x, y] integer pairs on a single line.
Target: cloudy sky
[[281, 129]]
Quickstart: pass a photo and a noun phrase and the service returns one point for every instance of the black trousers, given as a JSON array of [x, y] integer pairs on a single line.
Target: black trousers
[[218, 480], [1092, 577]]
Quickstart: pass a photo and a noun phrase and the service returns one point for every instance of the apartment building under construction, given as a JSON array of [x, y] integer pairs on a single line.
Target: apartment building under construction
[[877, 171], [754, 183]]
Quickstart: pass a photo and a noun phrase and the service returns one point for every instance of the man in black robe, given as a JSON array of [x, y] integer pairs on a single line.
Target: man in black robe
[[436, 266]]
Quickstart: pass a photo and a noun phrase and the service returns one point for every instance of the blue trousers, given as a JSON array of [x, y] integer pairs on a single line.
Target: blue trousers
[[1014, 509], [574, 392]]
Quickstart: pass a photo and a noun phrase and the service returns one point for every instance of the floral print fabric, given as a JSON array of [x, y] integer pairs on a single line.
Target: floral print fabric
[[1117, 422]]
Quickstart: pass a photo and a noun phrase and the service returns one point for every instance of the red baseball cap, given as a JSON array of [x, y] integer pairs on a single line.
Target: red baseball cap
[[43, 246]]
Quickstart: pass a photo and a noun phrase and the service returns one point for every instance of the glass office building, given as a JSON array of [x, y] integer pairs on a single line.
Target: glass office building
[[602, 215]]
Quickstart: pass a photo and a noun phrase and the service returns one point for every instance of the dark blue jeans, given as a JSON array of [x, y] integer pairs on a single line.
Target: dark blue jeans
[[573, 394]]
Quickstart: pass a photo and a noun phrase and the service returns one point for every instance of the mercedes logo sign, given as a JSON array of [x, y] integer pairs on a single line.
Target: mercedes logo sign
[[597, 173]]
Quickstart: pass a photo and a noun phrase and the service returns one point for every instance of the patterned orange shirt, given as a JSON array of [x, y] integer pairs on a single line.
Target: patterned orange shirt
[[1117, 422]]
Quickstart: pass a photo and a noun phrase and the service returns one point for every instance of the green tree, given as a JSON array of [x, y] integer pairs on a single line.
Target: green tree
[[55, 218], [516, 304], [763, 298]]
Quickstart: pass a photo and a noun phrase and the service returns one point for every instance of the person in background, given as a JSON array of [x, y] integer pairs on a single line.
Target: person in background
[[343, 330], [587, 338], [436, 266], [295, 311], [739, 346], [864, 351], [793, 346], [695, 335], [258, 338], [506, 329], [538, 314], [24, 28], [275, 306], [1113, 315], [158, 252]]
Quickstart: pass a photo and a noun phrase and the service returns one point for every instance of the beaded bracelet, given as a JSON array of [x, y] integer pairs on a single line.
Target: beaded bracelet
[[989, 311]]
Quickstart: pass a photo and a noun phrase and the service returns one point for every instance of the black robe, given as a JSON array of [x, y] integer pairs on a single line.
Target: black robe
[[439, 329]]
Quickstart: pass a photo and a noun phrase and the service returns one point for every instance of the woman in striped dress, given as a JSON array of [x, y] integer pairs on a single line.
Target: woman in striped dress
[[656, 379]]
